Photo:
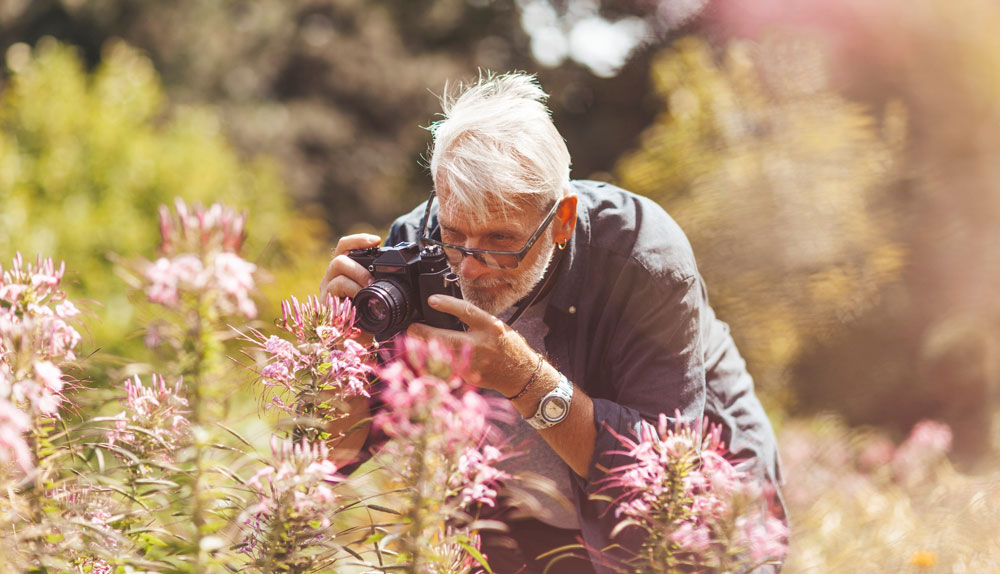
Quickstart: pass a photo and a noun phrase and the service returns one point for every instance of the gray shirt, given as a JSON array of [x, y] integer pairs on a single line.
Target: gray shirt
[[630, 324], [535, 461]]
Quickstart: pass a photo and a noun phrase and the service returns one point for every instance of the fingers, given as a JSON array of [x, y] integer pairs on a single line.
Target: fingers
[[426, 332], [466, 312], [342, 286], [356, 241], [344, 276]]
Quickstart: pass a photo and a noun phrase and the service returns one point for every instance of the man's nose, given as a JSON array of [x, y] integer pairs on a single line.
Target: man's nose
[[471, 268]]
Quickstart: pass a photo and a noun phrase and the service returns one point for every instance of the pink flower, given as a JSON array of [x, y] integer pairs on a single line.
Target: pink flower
[[680, 484], [42, 400], [196, 229], [281, 348], [691, 537], [930, 436], [234, 277], [49, 375], [30, 291], [188, 271], [156, 413], [765, 536], [479, 476], [201, 258], [432, 415], [44, 279], [163, 282], [11, 293], [927, 445], [294, 495], [120, 432], [278, 373], [13, 424], [323, 367], [67, 309]]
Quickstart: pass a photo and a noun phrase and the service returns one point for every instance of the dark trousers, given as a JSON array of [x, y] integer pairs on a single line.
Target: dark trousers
[[517, 551]]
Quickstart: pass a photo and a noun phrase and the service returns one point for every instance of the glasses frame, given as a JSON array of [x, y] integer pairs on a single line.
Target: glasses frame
[[479, 254]]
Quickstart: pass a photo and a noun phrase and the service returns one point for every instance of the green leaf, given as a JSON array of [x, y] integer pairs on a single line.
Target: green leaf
[[475, 553], [383, 509], [148, 539]]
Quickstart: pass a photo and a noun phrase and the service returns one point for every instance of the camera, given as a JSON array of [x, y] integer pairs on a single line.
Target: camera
[[405, 276]]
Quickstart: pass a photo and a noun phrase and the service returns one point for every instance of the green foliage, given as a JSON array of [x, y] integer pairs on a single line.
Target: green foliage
[[776, 179], [86, 158]]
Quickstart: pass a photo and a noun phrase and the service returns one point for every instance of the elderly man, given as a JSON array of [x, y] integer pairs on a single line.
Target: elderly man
[[584, 307]]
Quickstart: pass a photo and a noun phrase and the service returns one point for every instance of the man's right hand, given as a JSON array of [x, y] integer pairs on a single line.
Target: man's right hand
[[345, 276]]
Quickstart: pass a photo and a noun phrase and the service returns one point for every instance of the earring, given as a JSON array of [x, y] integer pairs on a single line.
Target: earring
[[562, 245]]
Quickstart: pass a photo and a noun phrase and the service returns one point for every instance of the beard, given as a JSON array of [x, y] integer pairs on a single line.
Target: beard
[[495, 295]]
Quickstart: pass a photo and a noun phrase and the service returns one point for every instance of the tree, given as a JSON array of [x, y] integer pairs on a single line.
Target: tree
[[777, 180]]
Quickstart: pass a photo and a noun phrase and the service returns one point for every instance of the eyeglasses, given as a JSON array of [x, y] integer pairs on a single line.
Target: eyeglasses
[[488, 257]]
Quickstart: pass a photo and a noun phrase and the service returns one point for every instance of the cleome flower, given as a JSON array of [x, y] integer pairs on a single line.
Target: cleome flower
[[14, 423], [86, 529], [696, 509], [37, 341], [322, 367], [439, 425], [439, 452], [289, 526], [194, 229], [201, 259], [152, 425]]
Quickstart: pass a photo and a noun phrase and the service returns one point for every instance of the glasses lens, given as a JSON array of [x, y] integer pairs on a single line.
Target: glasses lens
[[492, 260], [454, 255], [499, 261]]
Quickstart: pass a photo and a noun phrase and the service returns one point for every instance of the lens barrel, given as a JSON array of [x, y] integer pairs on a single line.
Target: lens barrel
[[382, 307]]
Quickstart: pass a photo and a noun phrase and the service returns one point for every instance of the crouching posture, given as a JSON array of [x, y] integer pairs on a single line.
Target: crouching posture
[[584, 307]]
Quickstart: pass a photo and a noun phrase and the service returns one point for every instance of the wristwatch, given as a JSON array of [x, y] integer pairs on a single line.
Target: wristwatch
[[554, 406]]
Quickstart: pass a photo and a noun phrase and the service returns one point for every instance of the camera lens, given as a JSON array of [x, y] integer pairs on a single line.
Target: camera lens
[[382, 307], [376, 309]]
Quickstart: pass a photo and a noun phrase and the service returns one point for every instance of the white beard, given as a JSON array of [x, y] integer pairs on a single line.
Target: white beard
[[516, 287]]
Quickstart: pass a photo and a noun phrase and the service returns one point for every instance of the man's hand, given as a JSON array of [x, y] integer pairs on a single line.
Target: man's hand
[[505, 362], [345, 276], [500, 355]]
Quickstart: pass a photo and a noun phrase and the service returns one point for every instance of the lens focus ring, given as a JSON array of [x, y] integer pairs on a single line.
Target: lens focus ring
[[382, 307]]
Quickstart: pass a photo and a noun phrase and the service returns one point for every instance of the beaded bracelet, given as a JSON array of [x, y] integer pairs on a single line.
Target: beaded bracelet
[[530, 380]]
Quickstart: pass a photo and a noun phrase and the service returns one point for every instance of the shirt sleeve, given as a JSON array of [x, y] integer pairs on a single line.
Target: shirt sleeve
[[656, 366]]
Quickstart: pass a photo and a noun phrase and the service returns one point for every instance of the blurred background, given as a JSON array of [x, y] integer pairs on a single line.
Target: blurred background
[[835, 163]]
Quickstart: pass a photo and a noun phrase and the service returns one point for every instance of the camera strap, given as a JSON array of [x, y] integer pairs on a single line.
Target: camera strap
[[542, 287]]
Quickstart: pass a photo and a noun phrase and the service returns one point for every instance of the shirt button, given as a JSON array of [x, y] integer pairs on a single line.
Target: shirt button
[[572, 309]]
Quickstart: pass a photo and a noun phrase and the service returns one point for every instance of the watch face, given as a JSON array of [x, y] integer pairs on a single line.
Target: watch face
[[554, 409]]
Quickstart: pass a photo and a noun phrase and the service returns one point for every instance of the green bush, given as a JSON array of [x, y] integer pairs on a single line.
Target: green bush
[[85, 158]]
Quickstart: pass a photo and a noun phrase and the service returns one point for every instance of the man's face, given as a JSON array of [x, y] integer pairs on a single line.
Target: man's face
[[494, 290]]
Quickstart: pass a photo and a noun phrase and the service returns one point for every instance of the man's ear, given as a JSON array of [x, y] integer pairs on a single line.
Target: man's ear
[[565, 219]]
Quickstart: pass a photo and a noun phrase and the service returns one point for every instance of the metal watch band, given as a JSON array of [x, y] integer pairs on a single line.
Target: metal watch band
[[554, 406]]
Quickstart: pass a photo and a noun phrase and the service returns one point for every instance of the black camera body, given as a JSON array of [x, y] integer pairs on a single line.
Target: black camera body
[[404, 277]]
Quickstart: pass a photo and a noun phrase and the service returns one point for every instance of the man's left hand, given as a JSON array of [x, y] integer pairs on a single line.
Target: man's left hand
[[500, 355]]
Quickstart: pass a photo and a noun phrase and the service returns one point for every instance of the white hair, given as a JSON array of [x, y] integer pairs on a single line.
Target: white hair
[[496, 146]]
